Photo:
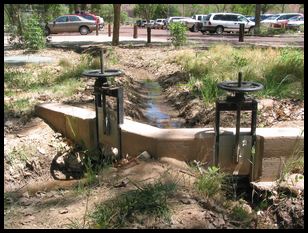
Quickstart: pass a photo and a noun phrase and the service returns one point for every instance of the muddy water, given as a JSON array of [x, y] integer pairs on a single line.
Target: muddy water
[[158, 113]]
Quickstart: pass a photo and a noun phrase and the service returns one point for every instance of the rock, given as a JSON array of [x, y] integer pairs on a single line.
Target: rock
[[247, 208], [188, 201], [145, 156], [64, 211], [9, 124], [175, 163], [25, 194], [41, 150], [266, 104], [294, 183]]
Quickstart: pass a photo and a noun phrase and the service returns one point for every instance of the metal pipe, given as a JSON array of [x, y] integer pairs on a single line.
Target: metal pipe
[[237, 134], [240, 79], [102, 61]]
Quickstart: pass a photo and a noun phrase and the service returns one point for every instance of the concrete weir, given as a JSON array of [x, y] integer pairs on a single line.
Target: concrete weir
[[273, 145]]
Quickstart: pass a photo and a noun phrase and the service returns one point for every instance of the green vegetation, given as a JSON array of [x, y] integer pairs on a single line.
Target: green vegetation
[[295, 163], [23, 84], [34, 34], [150, 200], [20, 153], [240, 216], [281, 71], [210, 183], [178, 33]]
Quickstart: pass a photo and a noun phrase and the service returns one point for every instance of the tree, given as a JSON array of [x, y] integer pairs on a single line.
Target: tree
[[13, 12], [145, 11], [116, 24], [266, 7], [257, 18], [245, 9]]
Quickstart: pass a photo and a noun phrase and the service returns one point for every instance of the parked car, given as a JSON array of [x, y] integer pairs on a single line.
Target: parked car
[[70, 23], [159, 23], [89, 16], [198, 25], [262, 17], [149, 24], [189, 22], [226, 22], [295, 22], [141, 23], [173, 19], [280, 19]]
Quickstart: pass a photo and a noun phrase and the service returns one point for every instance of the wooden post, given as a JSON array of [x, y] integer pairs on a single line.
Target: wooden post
[[149, 34], [96, 28], [135, 31], [241, 34], [109, 30]]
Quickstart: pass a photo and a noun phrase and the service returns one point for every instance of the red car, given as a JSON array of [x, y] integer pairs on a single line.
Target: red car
[[90, 16]]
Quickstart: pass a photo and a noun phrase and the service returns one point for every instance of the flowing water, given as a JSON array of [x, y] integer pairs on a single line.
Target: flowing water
[[158, 113]]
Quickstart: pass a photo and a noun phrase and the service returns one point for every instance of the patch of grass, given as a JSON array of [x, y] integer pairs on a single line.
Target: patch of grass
[[19, 153], [19, 106], [281, 71], [112, 58], [210, 183], [64, 62], [150, 199], [240, 216], [295, 163]]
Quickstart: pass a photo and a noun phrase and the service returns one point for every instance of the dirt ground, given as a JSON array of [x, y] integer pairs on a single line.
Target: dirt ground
[[42, 169]]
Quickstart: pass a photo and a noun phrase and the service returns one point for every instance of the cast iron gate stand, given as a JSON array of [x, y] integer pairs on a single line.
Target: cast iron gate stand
[[237, 103], [101, 90]]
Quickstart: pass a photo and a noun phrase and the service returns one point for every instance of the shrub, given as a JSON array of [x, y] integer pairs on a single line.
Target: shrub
[[34, 34], [210, 182], [178, 33]]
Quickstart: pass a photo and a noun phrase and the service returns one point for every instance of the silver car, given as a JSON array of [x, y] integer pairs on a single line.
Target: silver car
[[226, 22], [70, 23]]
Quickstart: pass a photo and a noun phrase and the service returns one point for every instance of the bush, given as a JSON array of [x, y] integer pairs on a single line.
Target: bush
[[210, 183], [34, 34], [178, 33]]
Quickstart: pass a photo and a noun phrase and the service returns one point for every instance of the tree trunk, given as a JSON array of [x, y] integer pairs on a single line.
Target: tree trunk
[[257, 18], [116, 24]]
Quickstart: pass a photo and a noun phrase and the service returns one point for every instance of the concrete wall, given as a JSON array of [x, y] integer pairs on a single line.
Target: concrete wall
[[273, 145]]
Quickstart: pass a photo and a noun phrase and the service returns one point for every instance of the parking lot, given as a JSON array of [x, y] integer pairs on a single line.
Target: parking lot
[[163, 36]]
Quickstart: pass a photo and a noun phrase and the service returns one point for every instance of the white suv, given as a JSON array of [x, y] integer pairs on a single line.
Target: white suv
[[226, 22]]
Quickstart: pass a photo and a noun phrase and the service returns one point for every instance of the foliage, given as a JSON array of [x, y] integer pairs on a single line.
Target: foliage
[[178, 33], [295, 163], [145, 11], [241, 216], [245, 9], [34, 34], [281, 71], [150, 199], [210, 183]]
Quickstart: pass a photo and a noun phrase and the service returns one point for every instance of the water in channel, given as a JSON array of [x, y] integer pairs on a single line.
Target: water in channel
[[158, 113]]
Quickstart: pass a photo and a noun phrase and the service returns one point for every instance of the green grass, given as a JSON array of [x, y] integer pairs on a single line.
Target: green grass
[[150, 200], [281, 71], [295, 163], [25, 83], [240, 216], [20, 153], [210, 183]]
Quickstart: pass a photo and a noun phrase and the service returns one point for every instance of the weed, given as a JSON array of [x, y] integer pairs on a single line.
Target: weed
[[19, 153], [240, 216], [149, 199], [178, 33], [295, 163], [64, 62], [281, 71], [210, 182]]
